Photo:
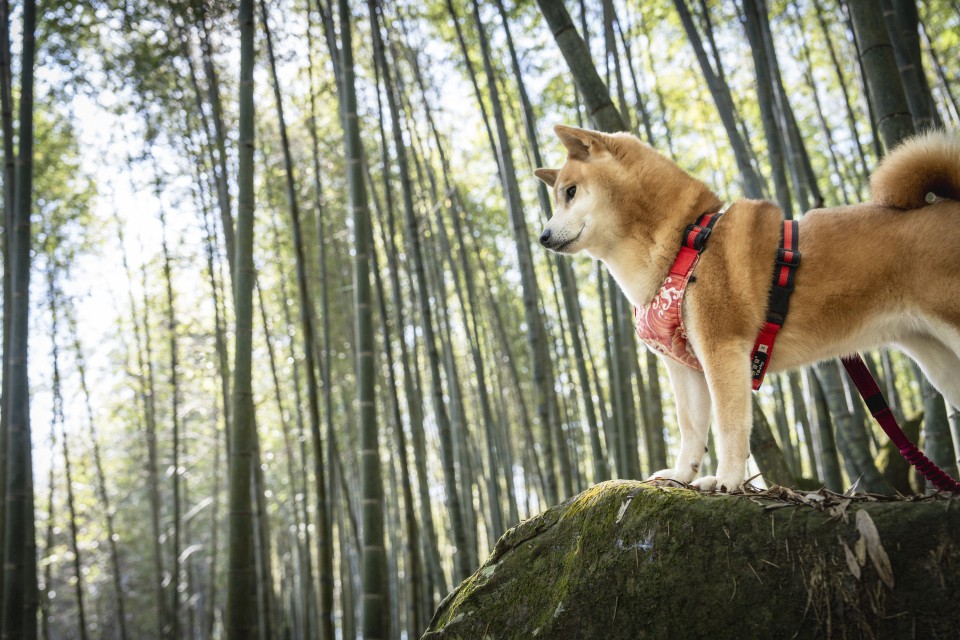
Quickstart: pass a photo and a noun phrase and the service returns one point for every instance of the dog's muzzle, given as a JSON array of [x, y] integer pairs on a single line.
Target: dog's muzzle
[[558, 241]]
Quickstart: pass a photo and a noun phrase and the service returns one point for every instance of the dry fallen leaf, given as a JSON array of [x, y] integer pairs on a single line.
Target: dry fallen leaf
[[878, 555], [851, 560]]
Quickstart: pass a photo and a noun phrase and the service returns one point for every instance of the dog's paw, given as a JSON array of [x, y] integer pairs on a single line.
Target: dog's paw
[[677, 475], [716, 483]]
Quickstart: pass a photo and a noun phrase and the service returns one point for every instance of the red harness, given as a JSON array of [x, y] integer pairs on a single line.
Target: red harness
[[660, 325]]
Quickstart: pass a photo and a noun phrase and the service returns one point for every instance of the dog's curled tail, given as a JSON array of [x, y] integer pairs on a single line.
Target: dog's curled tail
[[924, 164]]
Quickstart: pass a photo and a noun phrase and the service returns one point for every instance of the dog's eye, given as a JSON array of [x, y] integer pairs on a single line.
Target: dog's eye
[[571, 191]]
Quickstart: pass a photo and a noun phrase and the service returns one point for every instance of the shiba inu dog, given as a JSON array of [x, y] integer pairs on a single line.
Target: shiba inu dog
[[881, 272]]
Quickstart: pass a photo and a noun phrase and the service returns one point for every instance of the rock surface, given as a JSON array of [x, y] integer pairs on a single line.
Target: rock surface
[[632, 560]]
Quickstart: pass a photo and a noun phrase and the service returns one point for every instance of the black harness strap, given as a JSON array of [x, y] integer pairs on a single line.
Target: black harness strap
[[778, 302]]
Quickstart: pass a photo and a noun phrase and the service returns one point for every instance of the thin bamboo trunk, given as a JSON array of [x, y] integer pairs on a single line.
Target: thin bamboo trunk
[[827, 460], [768, 107], [242, 610], [144, 367], [845, 92], [174, 597], [902, 20], [880, 71], [568, 286], [219, 162], [543, 375], [821, 116], [223, 369], [954, 106], [292, 462], [852, 438], [375, 608], [9, 178], [455, 509], [801, 418], [58, 419], [414, 398], [595, 95], [411, 537], [326, 573], [791, 453], [752, 183], [20, 596], [458, 207], [101, 479], [308, 327], [49, 541], [763, 447]]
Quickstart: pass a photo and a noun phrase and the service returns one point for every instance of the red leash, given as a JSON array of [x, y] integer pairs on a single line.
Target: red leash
[[871, 394]]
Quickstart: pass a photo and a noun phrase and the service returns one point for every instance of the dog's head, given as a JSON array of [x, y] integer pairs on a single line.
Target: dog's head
[[612, 188]]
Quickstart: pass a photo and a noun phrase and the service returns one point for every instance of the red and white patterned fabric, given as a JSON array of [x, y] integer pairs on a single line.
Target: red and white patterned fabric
[[660, 323]]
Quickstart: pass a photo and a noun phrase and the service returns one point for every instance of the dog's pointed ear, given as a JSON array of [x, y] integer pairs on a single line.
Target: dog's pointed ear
[[581, 143], [549, 176]]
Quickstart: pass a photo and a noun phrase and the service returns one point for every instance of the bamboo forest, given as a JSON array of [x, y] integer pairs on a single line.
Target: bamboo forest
[[282, 355]]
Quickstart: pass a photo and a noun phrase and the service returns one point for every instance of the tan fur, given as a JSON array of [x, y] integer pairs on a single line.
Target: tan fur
[[870, 274], [927, 163]]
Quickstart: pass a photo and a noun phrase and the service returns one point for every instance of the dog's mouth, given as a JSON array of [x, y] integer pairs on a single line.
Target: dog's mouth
[[566, 243]]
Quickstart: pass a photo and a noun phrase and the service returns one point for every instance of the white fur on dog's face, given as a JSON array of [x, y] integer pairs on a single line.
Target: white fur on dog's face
[[571, 226], [579, 222]]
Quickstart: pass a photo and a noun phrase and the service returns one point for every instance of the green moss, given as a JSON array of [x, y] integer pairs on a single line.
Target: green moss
[[630, 560]]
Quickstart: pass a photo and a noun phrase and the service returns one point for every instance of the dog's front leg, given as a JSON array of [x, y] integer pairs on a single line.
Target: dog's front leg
[[727, 369], [693, 415]]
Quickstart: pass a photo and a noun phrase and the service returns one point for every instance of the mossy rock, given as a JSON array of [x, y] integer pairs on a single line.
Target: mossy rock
[[631, 560]]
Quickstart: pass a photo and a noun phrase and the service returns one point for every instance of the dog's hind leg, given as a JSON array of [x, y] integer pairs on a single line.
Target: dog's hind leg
[[939, 363], [727, 369], [693, 416]]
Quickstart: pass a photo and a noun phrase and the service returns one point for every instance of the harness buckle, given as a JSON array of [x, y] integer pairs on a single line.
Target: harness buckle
[[700, 237], [788, 257]]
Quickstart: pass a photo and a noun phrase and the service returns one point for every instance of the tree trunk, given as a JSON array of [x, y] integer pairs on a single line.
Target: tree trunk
[[903, 21], [174, 597], [880, 71], [752, 183], [769, 457], [554, 438], [242, 610], [308, 328], [848, 106], [568, 285], [411, 535], [220, 171], [852, 438], [828, 461], [413, 394], [937, 439], [20, 549], [101, 479], [754, 14], [58, 419], [596, 96], [376, 606], [9, 177], [627, 560], [145, 391], [223, 370]]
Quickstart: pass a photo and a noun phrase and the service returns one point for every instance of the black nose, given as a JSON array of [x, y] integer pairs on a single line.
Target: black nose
[[545, 237]]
